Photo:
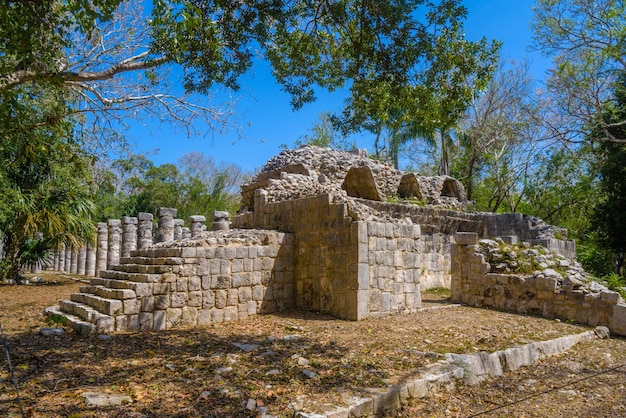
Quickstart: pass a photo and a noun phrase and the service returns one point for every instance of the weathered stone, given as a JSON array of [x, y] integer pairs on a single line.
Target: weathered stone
[[114, 242], [165, 227]]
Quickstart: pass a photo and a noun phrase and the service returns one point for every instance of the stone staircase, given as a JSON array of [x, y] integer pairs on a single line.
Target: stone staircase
[[121, 299]]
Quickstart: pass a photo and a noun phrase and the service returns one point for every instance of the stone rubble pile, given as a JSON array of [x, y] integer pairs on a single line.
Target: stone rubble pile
[[313, 171], [539, 262]]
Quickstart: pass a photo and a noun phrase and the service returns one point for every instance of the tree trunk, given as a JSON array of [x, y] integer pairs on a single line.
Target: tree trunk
[[619, 262], [445, 164]]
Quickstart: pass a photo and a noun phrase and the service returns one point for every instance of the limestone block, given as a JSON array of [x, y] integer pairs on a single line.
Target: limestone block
[[133, 322], [146, 321], [194, 283], [609, 296], [251, 307], [230, 313], [182, 284], [160, 288], [208, 299], [257, 292], [189, 316], [162, 302], [217, 316], [147, 304], [132, 306], [220, 282], [189, 269], [617, 321], [173, 317], [204, 317], [220, 298], [194, 299], [242, 311], [178, 299], [245, 294], [232, 298], [143, 289], [466, 238], [121, 323], [160, 320], [225, 267]]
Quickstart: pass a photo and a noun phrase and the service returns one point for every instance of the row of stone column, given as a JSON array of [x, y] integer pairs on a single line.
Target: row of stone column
[[118, 237]]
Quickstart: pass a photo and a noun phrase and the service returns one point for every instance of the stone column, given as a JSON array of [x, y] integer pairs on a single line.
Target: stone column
[[82, 260], [55, 262], [197, 223], [144, 230], [61, 255], [129, 235], [220, 221], [165, 228], [68, 259], [102, 247], [178, 229], [74, 265], [186, 232], [115, 241], [90, 261]]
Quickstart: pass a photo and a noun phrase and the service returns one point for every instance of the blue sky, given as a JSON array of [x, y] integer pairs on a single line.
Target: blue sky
[[268, 120]]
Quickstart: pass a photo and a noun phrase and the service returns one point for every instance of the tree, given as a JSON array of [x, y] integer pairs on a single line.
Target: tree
[[43, 183], [325, 134], [425, 94], [498, 137], [610, 213], [111, 58], [196, 185], [587, 41]]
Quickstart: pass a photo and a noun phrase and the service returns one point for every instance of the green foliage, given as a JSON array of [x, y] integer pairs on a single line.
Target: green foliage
[[56, 319], [424, 89], [586, 40], [42, 178], [194, 186], [609, 217], [616, 283], [324, 134]]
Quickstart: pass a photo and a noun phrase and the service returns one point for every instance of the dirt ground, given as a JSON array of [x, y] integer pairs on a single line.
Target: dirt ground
[[294, 361]]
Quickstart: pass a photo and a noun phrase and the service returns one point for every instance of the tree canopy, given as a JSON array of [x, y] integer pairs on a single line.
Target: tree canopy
[[587, 41]]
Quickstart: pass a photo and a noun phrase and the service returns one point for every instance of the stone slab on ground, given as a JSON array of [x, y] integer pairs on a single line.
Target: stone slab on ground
[[105, 399]]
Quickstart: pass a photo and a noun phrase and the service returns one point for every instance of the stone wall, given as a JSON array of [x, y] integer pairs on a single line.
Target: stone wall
[[326, 255], [350, 269], [392, 257], [543, 293]]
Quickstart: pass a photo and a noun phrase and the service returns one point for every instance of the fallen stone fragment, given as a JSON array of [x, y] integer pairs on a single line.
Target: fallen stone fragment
[[51, 332], [246, 347], [105, 399], [251, 404], [310, 374], [602, 332], [223, 370]]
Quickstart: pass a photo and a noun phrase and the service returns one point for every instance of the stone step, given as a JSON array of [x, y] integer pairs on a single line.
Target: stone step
[[80, 326], [102, 323], [89, 289], [112, 283], [109, 307], [107, 293], [131, 277], [142, 268], [140, 289]]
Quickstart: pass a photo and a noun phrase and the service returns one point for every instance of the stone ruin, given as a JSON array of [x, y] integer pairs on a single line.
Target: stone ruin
[[327, 231]]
